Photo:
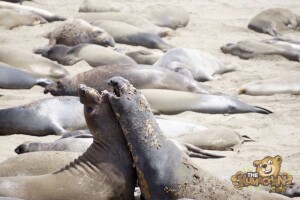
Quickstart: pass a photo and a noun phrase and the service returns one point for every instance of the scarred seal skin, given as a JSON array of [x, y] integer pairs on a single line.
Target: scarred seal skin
[[164, 171]]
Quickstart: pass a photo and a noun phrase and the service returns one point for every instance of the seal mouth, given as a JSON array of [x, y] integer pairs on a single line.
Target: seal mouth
[[89, 95], [119, 85]]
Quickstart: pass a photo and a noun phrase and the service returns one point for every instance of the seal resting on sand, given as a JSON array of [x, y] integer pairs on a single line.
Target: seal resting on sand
[[104, 171], [193, 63], [281, 85], [129, 18], [94, 55], [144, 77], [164, 171], [250, 49], [30, 62], [43, 117], [128, 34], [77, 31], [10, 19], [12, 78], [170, 102], [273, 20], [103, 6], [166, 15]]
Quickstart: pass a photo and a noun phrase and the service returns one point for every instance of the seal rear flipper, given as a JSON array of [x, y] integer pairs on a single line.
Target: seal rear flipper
[[261, 110], [193, 151], [43, 82], [246, 138]]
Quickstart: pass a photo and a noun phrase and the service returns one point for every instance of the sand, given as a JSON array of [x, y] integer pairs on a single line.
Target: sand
[[212, 24]]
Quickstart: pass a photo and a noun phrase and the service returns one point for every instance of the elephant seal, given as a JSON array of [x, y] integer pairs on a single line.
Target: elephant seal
[[36, 163], [193, 63], [103, 6], [19, 19], [94, 55], [142, 76], [166, 15], [281, 85], [129, 18], [144, 57], [104, 171], [163, 170], [12, 78], [30, 62], [50, 17], [250, 49], [44, 117], [273, 20], [128, 34], [77, 31], [170, 102]]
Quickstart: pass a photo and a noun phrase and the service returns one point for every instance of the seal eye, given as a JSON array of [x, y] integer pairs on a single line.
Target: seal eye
[[89, 109], [270, 162]]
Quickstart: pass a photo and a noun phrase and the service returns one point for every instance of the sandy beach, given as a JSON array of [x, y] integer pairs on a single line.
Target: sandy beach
[[212, 24]]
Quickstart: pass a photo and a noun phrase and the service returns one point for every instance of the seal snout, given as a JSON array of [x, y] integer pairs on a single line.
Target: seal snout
[[118, 83], [21, 149]]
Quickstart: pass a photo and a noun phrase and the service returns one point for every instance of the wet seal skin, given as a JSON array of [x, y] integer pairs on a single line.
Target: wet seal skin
[[164, 171]]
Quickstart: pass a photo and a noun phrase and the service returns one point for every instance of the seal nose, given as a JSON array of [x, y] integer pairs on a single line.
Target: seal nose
[[109, 42], [20, 149], [82, 87], [264, 166]]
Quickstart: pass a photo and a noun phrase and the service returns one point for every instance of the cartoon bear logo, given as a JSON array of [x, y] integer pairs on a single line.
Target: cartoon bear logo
[[269, 166]]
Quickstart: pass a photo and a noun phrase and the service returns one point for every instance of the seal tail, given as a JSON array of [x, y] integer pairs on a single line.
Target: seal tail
[[196, 152], [246, 138], [43, 82], [261, 110]]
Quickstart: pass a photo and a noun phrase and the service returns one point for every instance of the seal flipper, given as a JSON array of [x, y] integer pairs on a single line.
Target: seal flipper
[[43, 82], [262, 110]]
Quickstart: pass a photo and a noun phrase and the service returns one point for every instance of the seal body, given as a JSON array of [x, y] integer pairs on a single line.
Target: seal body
[[133, 19], [77, 31], [12, 78], [94, 55], [50, 17], [103, 6], [274, 20], [281, 85], [164, 172], [143, 76], [173, 102], [251, 49], [190, 62], [128, 34], [31, 63], [104, 171], [10, 19], [43, 117], [166, 15]]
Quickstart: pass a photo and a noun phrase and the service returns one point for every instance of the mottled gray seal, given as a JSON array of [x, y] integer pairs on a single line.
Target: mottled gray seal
[[30, 62], [193, 63], [50, 17], [19, 19], [12, 78], [43, 117], [273, 20], [129, 18], [166, 15], [94, 55], [128, 34], [173, 102], [144, 57], [77, 31], [103, 6], [250, 49], [104, 171], [286, 84], [142, 76], [164, 172], [36, 163]]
